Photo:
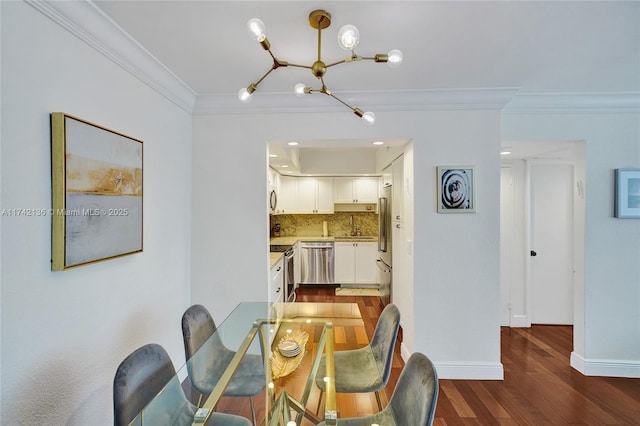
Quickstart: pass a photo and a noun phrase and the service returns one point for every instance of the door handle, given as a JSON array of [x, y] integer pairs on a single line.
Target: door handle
[[533, 253]]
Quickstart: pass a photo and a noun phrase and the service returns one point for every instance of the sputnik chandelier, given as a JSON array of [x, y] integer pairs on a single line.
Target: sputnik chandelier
[[348, 38]]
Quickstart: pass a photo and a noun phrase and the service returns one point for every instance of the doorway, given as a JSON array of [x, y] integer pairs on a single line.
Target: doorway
[[542, 232]]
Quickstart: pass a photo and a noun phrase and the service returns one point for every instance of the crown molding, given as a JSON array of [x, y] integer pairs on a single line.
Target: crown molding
[[508, 100], [555, 103], [88, 23], [387, 100]]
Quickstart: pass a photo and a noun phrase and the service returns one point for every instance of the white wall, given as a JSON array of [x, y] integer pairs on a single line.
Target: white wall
[[64, 333], [456, 256], [607, 336]]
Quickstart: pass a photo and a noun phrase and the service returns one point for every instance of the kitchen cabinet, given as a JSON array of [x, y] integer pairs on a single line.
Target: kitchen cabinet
[[398, 188], [277, 282], [314, 195], [273, 179], [355, 262], [356, 190], [287, 195]]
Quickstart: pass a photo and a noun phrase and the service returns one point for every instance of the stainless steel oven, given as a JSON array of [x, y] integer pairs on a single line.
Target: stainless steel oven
[[289, 275], [289, 253]]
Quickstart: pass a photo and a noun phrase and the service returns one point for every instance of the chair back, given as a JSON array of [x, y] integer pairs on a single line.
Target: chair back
[[197, 328], [384, 340], [416, 394], [137, 385], [206, 355]]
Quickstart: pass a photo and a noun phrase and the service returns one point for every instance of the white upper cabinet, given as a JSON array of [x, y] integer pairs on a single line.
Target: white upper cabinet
[[287, 197], [273, 183], [314, 195], [398, 189], [356, 190], [305, 195]]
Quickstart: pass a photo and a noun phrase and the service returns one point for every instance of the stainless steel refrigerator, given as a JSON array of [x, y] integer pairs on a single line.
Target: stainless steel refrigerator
[[384, 245]]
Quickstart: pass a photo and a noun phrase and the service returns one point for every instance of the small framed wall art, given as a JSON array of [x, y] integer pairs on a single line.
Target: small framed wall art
[[456, 189], [627, 193], [96, 193]]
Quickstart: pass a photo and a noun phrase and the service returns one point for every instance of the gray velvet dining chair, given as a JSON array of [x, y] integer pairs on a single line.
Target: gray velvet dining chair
[[414, 399], [146, 379], [366, 369], [207, 358]]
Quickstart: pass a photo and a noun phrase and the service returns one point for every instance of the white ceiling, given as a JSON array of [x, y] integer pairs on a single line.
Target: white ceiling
[[536, 46]]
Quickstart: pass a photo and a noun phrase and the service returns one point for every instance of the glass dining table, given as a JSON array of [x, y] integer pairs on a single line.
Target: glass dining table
[[265, 329]]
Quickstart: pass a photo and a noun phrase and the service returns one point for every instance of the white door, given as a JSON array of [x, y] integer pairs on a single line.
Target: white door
[[551, 247]]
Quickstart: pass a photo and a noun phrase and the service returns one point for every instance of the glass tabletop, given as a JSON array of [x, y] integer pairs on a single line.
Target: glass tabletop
[[253, 331]]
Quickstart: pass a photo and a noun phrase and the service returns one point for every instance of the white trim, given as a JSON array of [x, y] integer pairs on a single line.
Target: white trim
[[405, 353], [547, 103], [387, 100], [520, 321], [470, 371], [605, 367], [87, 22]]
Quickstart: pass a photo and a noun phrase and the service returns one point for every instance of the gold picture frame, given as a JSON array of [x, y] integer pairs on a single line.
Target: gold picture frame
[[96, 178]]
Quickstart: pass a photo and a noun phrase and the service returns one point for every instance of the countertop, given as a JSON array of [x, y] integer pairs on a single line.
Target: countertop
[[274, 258], [294, 240]]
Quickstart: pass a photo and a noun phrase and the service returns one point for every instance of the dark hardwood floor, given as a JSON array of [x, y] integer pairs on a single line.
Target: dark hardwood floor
[[539, 388]]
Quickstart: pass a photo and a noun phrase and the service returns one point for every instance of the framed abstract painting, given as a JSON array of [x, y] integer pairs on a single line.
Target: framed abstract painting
[[96, 193], [627, 190], [456, 189]]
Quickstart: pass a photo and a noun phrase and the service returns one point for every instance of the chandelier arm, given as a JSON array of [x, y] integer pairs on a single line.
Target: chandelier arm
[[340, 100], [264, 76], [319, 42], [300, 66], [339, 62]]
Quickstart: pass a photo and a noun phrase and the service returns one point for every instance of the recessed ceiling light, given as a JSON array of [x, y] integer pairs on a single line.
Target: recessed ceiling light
[[505, 152], [292, 143], [378, 143], [273, 155], [284, 166]]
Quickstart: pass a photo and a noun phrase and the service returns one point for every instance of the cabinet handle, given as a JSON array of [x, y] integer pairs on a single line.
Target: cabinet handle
[[278, 270], [278, 290], [398, 217], [398, 226]]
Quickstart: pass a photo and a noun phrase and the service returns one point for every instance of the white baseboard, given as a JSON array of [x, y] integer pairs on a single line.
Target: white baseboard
[[520, 321], [404, 352], [605, 367], [470, 371]]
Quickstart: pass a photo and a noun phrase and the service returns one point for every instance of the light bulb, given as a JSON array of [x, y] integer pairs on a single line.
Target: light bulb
[[395, 58], [299, 88], [369, 117], [244, 95], [257, 29], [348, 37]]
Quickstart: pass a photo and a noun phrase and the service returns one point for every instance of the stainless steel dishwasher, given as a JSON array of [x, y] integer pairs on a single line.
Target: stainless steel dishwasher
[[316, 262]]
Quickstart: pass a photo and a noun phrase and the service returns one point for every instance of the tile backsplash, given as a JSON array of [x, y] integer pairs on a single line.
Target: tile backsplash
[[310, 225]]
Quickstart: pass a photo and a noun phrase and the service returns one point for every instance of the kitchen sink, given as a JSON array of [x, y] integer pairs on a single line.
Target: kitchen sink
[[354, 238]]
